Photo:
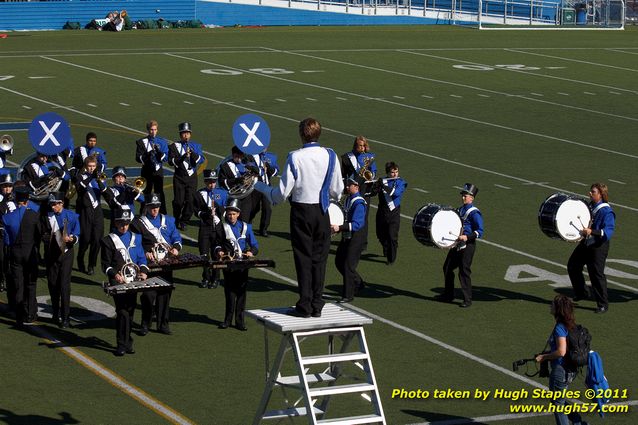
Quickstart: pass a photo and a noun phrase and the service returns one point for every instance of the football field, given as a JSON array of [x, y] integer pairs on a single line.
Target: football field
[[520, 114]]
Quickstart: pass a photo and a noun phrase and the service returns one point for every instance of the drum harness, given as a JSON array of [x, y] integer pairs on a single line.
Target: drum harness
[[349, 204], [464, 218], [590, 239]]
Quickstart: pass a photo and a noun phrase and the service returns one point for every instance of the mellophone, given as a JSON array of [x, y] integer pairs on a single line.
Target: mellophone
[[149, 284]]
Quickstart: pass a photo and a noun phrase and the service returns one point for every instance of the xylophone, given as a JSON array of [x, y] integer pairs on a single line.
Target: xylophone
[[137, 286], [182, 261], [241, 264]]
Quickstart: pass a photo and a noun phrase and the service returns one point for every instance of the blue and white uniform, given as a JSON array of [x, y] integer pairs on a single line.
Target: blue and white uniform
[[592, 252], [388, 220], [351, 245]]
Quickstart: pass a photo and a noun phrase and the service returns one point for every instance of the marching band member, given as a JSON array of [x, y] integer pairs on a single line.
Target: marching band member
[[90, 189], [152, 151], [209, 206], [60, 231], [7, 204], [355, 163], [121, 195], [352, 239], [239, 241], [22, 230], [311, 178], [266, 163], [40, 171], [62, 160], [89, 149], [230, 174], [157, 228], [593, 249], [119, 248], [388, 220], [185, 156], [461, 256]]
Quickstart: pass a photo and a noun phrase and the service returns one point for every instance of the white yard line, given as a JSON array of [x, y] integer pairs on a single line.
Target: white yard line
[[390, 71], [553, 77], [290, 119], [604, 65], [407, 106]]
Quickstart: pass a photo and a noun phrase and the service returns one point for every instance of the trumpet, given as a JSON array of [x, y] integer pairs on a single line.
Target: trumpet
[[138, 183], [6, 143]]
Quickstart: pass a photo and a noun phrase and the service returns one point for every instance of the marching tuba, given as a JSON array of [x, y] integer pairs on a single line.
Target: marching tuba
[[244, 186]]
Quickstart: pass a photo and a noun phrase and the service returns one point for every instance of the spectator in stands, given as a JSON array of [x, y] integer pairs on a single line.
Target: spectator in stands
[[114, 21]]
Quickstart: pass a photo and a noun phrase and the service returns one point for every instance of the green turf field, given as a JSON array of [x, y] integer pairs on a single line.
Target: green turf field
[[520, 114]]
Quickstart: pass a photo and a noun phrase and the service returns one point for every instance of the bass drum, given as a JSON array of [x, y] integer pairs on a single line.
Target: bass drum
[[437, 225], [562, 216], [336, 213]]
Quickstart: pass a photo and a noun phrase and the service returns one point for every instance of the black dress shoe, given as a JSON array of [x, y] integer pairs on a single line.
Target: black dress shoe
[[214, 284], [165, 331], [316, 314], [601, 310], [143, 331], [223, 325], [264, 233], [120, 352], [65, 324], [346, 300], [466, 304], [299, 313], [204, 283], [91, 271], [130, 350], [241, 327]]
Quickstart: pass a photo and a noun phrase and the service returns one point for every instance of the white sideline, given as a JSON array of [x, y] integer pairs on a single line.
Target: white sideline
[[522, 180]]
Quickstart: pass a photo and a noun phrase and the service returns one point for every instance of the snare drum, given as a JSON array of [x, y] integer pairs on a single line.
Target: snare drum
[[562, 216], [336, 213], [437, 225]]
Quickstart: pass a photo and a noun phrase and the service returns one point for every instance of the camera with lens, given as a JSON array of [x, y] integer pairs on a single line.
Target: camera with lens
[[542, 371]]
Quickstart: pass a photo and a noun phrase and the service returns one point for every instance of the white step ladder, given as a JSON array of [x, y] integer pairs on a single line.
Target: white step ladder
[[339, 325]]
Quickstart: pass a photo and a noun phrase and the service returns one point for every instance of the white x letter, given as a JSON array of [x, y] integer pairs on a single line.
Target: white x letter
[[251, 134], [49, 133]]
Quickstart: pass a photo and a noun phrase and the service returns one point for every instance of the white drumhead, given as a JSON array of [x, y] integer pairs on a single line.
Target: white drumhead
[[572, 216], [446, 228], [336, 214]]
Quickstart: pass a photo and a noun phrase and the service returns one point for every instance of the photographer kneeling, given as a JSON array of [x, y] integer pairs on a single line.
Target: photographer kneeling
[[561, 376]]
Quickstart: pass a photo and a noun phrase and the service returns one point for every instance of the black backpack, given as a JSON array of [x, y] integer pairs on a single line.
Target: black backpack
[[578, 346]]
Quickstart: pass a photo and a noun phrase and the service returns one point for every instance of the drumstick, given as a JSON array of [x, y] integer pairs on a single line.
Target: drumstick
[[572, 224], [581, 222]]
